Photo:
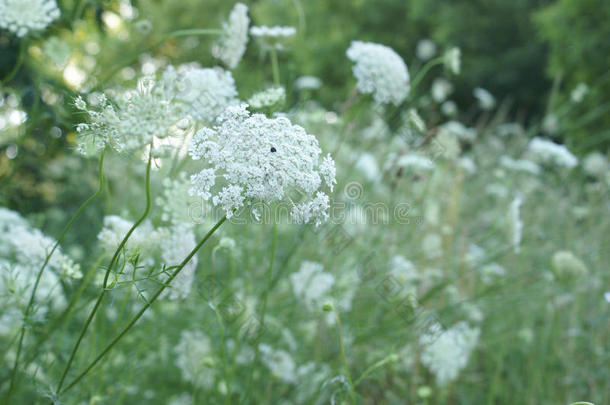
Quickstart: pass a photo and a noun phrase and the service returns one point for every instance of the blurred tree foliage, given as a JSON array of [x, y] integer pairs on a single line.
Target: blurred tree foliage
[[578, 33]]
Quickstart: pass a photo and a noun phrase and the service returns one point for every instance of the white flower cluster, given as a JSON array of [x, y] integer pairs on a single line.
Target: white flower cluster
[[195, 358], [403, 270], [232, 44], [23, 250], [23, 16], [426, 49], [452, 60], [486, 100], [567, 265], [415, 162], [132, 120], [379, 71], [203, 94], [308, 83], [272, 37], [516, 225], [156, 249], [260, 159], [520, 165], [446, 352], [551, 153], [279, 362], [268, 99], [176, 205], [311, 284], [595, 164]]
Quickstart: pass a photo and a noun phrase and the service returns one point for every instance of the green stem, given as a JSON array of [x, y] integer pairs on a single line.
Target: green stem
[[424, 70], [264, 308], [108, 270], [44, 265], [344, 359], [146, 306], [275, 66], [20, 57], [368, 371], [223, 352]]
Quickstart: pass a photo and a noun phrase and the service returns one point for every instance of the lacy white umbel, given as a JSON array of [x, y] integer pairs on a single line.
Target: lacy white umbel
[[232, 44], [252, 158], [23, 16]]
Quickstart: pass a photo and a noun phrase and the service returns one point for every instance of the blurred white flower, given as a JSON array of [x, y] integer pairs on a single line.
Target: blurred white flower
[[311, 284], [441, 89], [426, 49], [549, 152], [432, 246], [367, 165], [279, 362], [379, 71], [566, 265], [260, 160], [446, 352], [195, 358], [272, 37], [578, 94], [203, 94], [268, 99], [516, 225], [485, 98], [449, 108], [595, 164], [522, 165], [23, 16], [232, 44], [453, 60], [308, 83]]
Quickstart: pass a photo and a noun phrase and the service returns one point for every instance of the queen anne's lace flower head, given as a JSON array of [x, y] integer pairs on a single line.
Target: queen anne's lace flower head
[[311, 284], [195, 358], [203, 94], [452, 60], [23, 16], [379, 71], [132, 120], [268, 99], [272, 37], [252, 158], [232, 44], [486, 100], [549, 152]]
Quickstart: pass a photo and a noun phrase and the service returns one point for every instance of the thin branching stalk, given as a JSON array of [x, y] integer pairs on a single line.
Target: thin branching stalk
[[108, 270], [275, 67], [44, 265], [144, 308]]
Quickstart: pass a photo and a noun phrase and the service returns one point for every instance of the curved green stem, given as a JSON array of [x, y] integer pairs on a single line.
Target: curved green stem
[[20, 56], [44, 265], [108, 270], [423, 71], [368, 371], [144, 308]]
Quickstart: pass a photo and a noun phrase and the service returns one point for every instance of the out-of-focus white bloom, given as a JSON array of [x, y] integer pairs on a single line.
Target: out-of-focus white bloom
[[516, 225], [132, 121], [367, 165], [491, 272], [485, 98], [446, 352], [268, 99], [260, 160], [183, 399], [403, 269], [453, 60], [607, 296], [311, 284], [467, 164], [426, 49], [449, 108], [195, 358], [379, 71], [567, 265], [579, 93], [175, 202], [203, 94], [460, 130], [432, 245], [521, 165], [441, 89], [175, 248], [549, 152], [496, 189], [279, 362], [23, 16], [415, 161], [595, 164], [308, 83], [272, 37], [114, 230], [23, 250], [446, 143], [232, 43]]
